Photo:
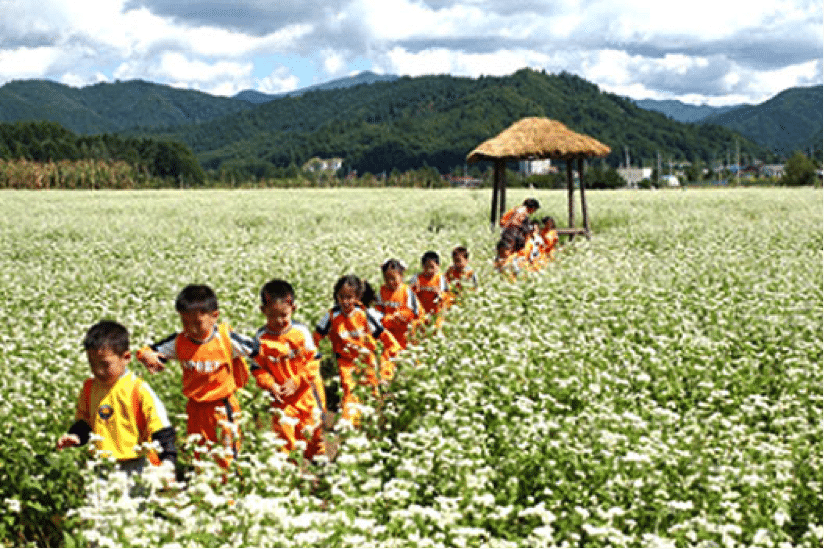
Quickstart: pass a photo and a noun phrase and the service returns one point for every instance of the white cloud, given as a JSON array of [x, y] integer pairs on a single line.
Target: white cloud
[[27, 62], [704, 48], [279, 81]]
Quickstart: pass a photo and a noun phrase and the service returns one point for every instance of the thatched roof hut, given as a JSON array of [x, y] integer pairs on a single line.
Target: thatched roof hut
[[538, 138]]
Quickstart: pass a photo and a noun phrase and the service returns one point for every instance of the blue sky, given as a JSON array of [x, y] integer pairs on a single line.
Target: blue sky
[[700, 52]]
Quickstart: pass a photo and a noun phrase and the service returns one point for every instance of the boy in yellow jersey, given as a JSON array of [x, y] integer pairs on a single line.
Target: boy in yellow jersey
[[117, 406], [207, 357], [287, 368], [518, 215]]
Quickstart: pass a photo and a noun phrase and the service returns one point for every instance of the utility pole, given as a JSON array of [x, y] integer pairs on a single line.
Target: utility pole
[[738, 161]]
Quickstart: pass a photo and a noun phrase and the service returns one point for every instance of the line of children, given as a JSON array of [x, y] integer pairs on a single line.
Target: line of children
[[124, 412]]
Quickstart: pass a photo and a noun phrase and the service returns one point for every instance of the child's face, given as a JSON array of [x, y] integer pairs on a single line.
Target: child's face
[[106, 365], [199, 325], [460, 261], [504, 251], [393, 278], [278, 313], [430, 267], [347, 299]]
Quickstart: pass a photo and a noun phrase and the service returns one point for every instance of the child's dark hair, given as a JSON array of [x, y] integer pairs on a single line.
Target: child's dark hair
[[369, 295], [547, 219], [349, 280], [107, 334], [196, 297], [532, 204], [276, 289], [460, 250], [393, 264], [431, 255], [504, 243]]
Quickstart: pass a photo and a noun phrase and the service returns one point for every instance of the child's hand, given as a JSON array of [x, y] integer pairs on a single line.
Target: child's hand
[[153, 361], [277, 392], [288, 388], [68, 441]]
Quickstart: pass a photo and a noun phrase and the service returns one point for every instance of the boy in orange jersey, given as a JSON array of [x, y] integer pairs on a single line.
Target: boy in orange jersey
[[353, 331], [206, 357], [518, 215], [506, 261], [459, 274], [548, 239], [430, 287], [287, 368], [397, 303], [119, 407]]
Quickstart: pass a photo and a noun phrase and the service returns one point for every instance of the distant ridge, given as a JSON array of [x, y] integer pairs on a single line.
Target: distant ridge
[[790, 121], [365, 77], [682, 112]]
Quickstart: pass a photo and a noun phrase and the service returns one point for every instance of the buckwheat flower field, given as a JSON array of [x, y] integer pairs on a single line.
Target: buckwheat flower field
[[657, 385]]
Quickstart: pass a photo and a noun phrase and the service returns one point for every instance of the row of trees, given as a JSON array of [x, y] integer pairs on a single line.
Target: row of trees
[[50, 143]]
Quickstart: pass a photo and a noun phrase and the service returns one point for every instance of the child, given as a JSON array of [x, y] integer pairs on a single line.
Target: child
[[548, 239], [430, 287], [352, 331], [519, 214], [506, 261], [210, 373], [117, 406], [459, 273], [398, 304], [287, 367]]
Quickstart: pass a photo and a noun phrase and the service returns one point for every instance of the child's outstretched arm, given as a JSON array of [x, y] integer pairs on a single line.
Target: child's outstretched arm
[[77, 435], [153, 361]]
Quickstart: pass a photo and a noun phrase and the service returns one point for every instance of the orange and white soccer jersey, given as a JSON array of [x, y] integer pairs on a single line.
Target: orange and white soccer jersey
[[548, 243], [123, 415], [207, 370], [514, 217], [404, 308], [456, 279], [430, 291], [292, 355], [354, 341]]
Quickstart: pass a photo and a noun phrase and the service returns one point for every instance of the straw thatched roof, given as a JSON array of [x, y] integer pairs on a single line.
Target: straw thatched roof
[[534, 138]]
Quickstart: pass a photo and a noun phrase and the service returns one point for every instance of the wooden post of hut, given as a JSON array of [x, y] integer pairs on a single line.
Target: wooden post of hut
[[495, 179], [583, 197], [570, 193]]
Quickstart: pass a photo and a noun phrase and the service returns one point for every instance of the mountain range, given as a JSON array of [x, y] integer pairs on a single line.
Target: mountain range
[[380, 122]]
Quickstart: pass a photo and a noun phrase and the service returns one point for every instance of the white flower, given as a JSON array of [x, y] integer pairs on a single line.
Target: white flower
[[14, 505]]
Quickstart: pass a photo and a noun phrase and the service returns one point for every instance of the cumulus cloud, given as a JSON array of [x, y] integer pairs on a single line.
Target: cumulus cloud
[[703, 50]]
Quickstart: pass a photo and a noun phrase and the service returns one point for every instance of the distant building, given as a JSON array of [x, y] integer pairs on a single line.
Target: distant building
[[633, 176], [537, 167], [466, 182], [669, 181], [772, 170], [323, 165]]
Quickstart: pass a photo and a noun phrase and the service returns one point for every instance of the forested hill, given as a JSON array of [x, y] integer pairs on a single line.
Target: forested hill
[[110, 108], [437, 120], [790, 121]]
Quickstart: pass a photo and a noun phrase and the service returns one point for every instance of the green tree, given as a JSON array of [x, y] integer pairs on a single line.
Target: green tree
[[799, 171]]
